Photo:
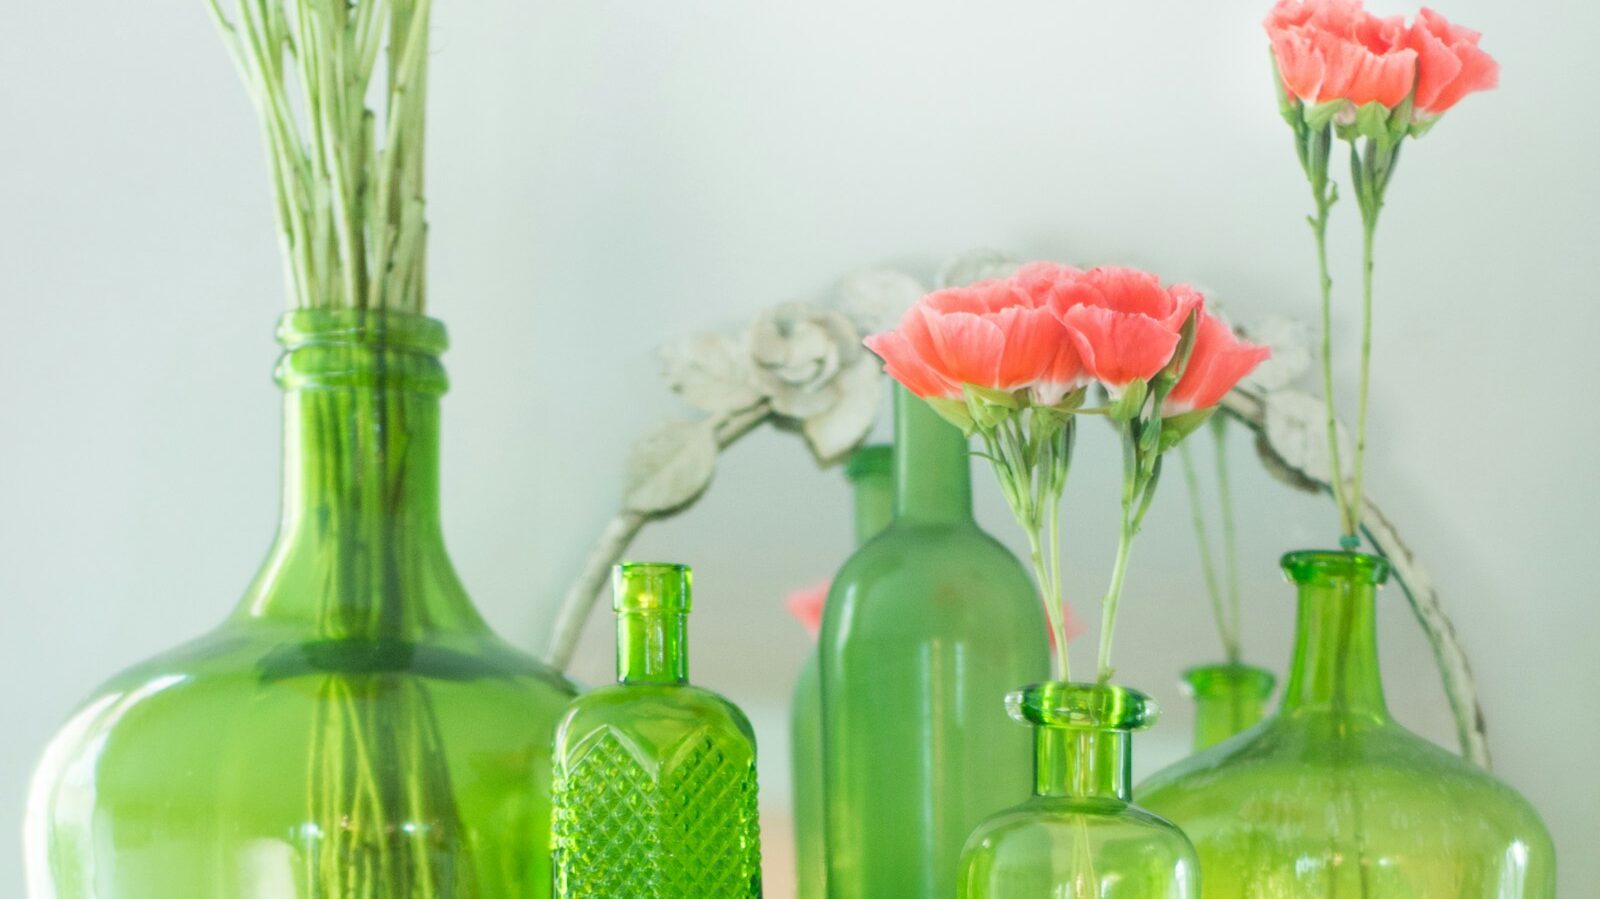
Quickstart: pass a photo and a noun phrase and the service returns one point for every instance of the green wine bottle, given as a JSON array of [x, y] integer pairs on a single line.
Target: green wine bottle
[[655, 779], [925, 631], [870, 471]]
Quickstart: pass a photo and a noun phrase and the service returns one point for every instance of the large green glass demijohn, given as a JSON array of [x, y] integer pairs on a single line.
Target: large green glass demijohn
[[1079, 836], [1330, 797], [871, 474], [354, 730], [926, 629], [655, 779]]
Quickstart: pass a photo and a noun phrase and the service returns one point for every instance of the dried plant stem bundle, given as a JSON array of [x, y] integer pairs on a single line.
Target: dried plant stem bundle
[[350, 208]]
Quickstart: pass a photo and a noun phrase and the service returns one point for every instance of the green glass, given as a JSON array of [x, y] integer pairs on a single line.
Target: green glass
[[655, 779], [1228, 699], [1079, 836], [871, 474], [1331, 797], [926, 629], [353, 730]]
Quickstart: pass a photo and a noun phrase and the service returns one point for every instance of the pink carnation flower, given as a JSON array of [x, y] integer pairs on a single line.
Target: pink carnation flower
[[1330, 50], [1449, 63], [989, 335], [1123, 322]]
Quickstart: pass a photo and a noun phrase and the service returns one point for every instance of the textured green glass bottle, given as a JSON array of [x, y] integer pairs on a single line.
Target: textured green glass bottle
[[655, 780], [1228, 699], [1079, 836], [1331, 797], [925, 631], [354, 730], [871, 474]]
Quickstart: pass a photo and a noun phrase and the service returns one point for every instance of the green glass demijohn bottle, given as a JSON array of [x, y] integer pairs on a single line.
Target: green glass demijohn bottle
[[926, 629], [354, 730], [870, 471], [1229, 698], [1079, 836], [1330, 797], [655, 779]]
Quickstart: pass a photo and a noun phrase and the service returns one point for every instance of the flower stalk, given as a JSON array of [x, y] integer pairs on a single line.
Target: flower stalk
[[1373, 82]]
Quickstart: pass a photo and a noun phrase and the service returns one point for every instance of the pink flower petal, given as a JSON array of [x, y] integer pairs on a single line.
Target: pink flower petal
[[970, 347], [1218, 361], [903, 363], [1120, 347]]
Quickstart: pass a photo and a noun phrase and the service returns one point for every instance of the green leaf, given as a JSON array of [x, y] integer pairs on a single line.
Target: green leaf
[[993, 397], [1127, 406], [1372, 121], [1400, 120], [953, 411], [1318, 116], [1177, 427]]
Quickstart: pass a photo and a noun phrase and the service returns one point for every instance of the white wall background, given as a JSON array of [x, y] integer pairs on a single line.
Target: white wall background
[[605, 174]]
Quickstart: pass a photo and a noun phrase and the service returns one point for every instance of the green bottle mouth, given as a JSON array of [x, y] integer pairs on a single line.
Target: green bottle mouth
[[1080, 705], [651, 587], [1235, 679], [331, 349], [1325, 568]]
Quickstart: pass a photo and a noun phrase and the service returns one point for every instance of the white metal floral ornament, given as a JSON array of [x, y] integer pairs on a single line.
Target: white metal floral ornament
[[802, 367], [798, 366]]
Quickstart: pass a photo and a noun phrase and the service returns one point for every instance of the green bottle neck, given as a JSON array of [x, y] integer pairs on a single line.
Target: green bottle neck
[[1082, 763], [1228, 699], [360, 549], [871, 475], [1335, 665], [932, 468], [652, 647]]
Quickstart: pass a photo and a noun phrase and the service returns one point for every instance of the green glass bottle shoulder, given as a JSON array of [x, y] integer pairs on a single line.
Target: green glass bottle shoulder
[[1332, 797], [354, 728], [1075, 850]]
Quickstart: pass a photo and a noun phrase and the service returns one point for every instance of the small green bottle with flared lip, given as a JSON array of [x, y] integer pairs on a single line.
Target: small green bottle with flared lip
[[655, 779]]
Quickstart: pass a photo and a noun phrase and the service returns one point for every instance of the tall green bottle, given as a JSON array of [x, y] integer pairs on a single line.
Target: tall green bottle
[[926, 630], [655, 779], [870, 471], [1331, 797], [353, 730], [1229, 699]]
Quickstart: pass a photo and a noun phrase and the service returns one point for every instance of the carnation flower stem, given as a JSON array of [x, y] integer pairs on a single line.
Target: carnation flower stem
[[1207, 563], [1230, 537], [1319, 227], [1369, 227], [1139, 478]]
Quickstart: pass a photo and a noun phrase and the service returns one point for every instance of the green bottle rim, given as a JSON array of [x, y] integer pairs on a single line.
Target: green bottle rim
[[1325, 568], [395, 330], [874, 458], [651, 587], [336, 349], [1082, 705], [1228, 678]]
